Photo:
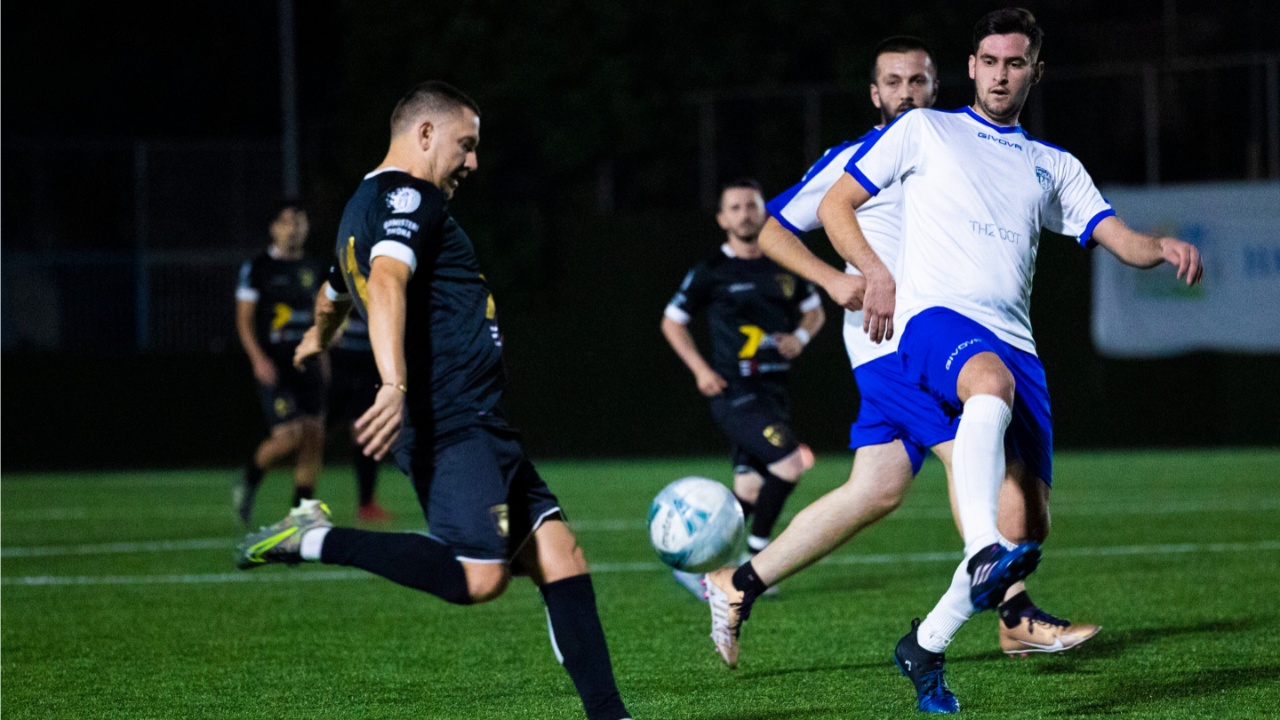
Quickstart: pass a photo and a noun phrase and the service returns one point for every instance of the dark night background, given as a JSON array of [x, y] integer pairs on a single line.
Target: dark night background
[[588, 207]]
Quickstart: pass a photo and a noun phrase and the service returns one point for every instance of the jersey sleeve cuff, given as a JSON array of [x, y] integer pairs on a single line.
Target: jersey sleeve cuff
[[862, 179], [676, 314], [396, 251], [247, 294], [813, 302], [334, 295], [1086, 237], [784, 222]]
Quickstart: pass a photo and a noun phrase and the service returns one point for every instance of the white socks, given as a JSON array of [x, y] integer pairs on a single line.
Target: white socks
[[978, 466], [312, 542], [952, 611]]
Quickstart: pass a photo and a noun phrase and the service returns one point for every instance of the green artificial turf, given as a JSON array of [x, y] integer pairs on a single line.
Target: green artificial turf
[[120, 601]]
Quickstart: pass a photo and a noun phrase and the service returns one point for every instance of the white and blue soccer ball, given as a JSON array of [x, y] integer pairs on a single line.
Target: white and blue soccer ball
[[696, 525]]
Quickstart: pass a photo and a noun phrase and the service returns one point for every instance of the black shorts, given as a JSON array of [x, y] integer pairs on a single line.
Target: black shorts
[[353, 384], [296, 393], [757, 419], [480, 493]]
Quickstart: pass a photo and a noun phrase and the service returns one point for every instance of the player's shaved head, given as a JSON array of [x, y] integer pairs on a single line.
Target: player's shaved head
[[898, 44], [1007, 21], [431, 98]]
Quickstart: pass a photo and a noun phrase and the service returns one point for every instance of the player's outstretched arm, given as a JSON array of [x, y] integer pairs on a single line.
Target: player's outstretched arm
[[681, 340], [379, 426], [838, 212], [1147, 251], [329, 315]]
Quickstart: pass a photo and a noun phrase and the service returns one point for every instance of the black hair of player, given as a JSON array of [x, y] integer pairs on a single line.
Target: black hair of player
[[1007, 21], [897, 44], [287, 204], [430, 96], [740, 182]]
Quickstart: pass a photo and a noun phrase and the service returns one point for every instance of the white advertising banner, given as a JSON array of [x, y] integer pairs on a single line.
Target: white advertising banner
[[1236, 308]]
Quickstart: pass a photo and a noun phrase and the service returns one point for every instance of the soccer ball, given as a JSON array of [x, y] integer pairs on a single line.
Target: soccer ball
[[696, 525]]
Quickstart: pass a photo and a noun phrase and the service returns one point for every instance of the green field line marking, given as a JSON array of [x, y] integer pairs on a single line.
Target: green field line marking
[[603, 568]]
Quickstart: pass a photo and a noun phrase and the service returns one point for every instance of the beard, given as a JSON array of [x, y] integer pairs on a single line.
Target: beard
[[1000, 109]]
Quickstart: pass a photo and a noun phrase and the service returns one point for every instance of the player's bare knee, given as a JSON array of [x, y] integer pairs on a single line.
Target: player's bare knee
[[790, 468], [747, 486], [486, 581], [986, 374]]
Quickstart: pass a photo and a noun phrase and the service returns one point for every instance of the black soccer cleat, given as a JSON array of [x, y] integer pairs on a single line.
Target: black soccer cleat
[[993, 570], [925, 671]]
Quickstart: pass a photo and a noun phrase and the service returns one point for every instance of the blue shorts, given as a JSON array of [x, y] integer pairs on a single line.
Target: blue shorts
[[481, 495], [939, 341], [893, 409]]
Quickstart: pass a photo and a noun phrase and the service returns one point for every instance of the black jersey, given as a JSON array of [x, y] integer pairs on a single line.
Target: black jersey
[[285, 293], [453, 348], [747, 302]]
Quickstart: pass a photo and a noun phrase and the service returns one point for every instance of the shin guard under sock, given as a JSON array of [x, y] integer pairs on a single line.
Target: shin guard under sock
[[579, 644], [409, 559], [773, 495]]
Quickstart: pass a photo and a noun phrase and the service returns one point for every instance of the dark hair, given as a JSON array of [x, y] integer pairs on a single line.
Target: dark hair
[[431, 96], [290, 203], [742, 182], [897, 44], [1007, 21]]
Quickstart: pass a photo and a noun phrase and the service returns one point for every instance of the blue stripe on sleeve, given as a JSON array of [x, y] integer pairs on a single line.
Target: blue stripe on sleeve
[[863, 180], [1086, 238]]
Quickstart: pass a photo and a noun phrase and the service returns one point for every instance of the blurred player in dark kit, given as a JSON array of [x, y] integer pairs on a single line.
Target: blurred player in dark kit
[[274, 301]]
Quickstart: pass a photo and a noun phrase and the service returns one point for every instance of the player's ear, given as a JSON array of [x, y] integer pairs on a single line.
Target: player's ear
[[426, 132], [875, 96], [973, 66], [1039, 73]]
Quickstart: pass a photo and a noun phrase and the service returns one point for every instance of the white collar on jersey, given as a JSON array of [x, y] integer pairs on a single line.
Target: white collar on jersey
[[385, 169]]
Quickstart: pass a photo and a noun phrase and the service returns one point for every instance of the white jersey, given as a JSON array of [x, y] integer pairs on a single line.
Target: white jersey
[[880, 218], [975, 197]]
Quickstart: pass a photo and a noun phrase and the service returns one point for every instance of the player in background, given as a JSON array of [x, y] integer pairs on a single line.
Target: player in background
[[274, 300], [897, 421], [413, 276], [977, 192], [353, 385], [760, 317]]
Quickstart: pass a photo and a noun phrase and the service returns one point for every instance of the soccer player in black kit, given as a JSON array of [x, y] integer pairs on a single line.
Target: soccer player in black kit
[[274, 300], [411, 272], [761, 317]]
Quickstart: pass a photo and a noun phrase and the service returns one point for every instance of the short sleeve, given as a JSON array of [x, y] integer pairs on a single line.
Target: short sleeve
[[337, 289], [890, 156], [247, 285], [796, 209], [809, 297], [690, 298], [1077, 205], [407, 216]]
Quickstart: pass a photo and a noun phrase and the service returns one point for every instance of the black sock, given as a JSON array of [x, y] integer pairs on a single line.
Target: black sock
[[410, 559], [366, 476], [747, 507], [752, 587], [580, 646], [253, 475], [773, 495], [302, 493], [1011, 610]]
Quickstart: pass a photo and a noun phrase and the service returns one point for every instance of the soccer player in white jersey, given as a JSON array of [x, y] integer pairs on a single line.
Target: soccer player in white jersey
[[977, 192], [897, 421]]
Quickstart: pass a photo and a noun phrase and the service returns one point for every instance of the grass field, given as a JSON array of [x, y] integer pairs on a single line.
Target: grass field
[[120, 601]]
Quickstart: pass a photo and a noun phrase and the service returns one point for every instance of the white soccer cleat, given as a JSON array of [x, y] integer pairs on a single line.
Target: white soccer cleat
[[724, 621]]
